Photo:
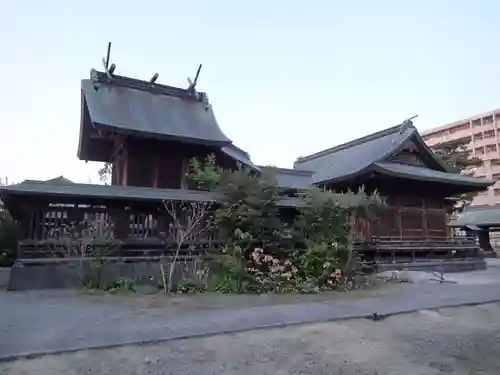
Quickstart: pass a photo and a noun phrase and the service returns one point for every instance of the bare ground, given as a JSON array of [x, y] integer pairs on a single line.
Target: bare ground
[[464, 340]]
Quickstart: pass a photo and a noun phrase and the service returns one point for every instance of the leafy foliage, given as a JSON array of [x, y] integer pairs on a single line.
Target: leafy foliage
[[122, 285], [257, 258], [89, 242], [9, 238], [204, 174], [456, 154], [248, 204], [229, 271], [105, 173]]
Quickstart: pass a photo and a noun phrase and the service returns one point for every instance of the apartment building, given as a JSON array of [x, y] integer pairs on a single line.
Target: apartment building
[[484, 143]]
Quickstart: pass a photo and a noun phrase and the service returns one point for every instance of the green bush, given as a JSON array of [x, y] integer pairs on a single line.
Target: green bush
[[122, 285], [9, 239], [257, 257]]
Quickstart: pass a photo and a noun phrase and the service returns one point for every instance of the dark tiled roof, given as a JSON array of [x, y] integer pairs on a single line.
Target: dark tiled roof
[[105, 191], [129, 106], [60, 180], [482, 216], [353, 157], [239, 155], [360, 156], [293, 179], [420, 173], [114, 192]]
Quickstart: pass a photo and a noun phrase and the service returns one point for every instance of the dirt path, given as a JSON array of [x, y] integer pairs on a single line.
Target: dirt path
[[458, 341]]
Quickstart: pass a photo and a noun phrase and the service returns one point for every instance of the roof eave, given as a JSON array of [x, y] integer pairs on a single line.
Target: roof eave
[[344, 178], [13, 191], [159, 136], [480, 184]]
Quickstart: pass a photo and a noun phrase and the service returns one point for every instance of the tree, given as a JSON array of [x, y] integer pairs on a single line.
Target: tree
[[329, 218], [189, 221], [105, 173], [89, 242], [249, 204], [456, 154], [204, 174]]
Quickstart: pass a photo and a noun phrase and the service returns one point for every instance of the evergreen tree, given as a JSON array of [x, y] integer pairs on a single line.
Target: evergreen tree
[[456, 154]]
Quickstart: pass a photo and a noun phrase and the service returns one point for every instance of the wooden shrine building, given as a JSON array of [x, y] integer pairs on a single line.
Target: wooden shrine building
[[397, 163], [148, 132]]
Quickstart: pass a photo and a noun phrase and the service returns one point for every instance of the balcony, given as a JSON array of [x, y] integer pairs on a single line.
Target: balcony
[[476, 142]]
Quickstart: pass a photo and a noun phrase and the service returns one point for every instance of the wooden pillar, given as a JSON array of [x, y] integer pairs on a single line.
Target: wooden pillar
[[424, 220], [156, 161], [184, 170], [121, 224], [400, 221], [124, 174]]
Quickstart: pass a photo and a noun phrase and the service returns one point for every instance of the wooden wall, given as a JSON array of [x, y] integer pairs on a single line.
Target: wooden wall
[[407, 216], [150, 163]]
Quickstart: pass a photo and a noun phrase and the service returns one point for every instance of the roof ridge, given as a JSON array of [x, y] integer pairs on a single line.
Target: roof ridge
[[355, 142], [288, 170], [156, 88]]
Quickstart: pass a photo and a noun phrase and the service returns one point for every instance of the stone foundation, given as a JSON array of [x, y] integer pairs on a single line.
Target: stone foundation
[[64, 273], [489, 253], [446, 266], [4, 277]]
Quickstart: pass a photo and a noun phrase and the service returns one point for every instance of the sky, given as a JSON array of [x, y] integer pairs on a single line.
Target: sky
[[285, 78]]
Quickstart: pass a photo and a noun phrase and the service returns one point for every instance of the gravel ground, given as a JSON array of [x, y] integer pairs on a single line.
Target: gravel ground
[[40, 324], [464, 340]]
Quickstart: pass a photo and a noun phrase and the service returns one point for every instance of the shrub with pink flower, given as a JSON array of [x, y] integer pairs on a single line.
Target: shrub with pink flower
[[271, 274]]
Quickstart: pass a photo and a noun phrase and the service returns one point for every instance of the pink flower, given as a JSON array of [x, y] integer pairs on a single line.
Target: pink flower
[[268, 258]]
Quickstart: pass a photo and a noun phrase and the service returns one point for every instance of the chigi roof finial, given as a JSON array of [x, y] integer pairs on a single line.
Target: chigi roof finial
[[406, 124]]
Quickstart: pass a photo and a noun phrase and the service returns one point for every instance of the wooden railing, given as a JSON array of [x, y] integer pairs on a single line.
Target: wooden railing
[[57, 231], [151, 233], [411, 249]]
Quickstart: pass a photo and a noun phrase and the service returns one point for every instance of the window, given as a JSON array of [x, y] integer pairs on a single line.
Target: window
[[496, 192], [491, 148], [495, 162], [479, 150], [478, 136], [476, 123], [496, 176], [489, 134], [488, 120]]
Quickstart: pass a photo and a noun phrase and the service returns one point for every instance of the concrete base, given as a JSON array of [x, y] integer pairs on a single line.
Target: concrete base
[[64, 273], [4, 277], [489, 253], [446, 266]]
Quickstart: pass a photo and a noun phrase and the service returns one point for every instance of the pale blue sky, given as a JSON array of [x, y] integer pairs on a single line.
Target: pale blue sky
[[286, 78]]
